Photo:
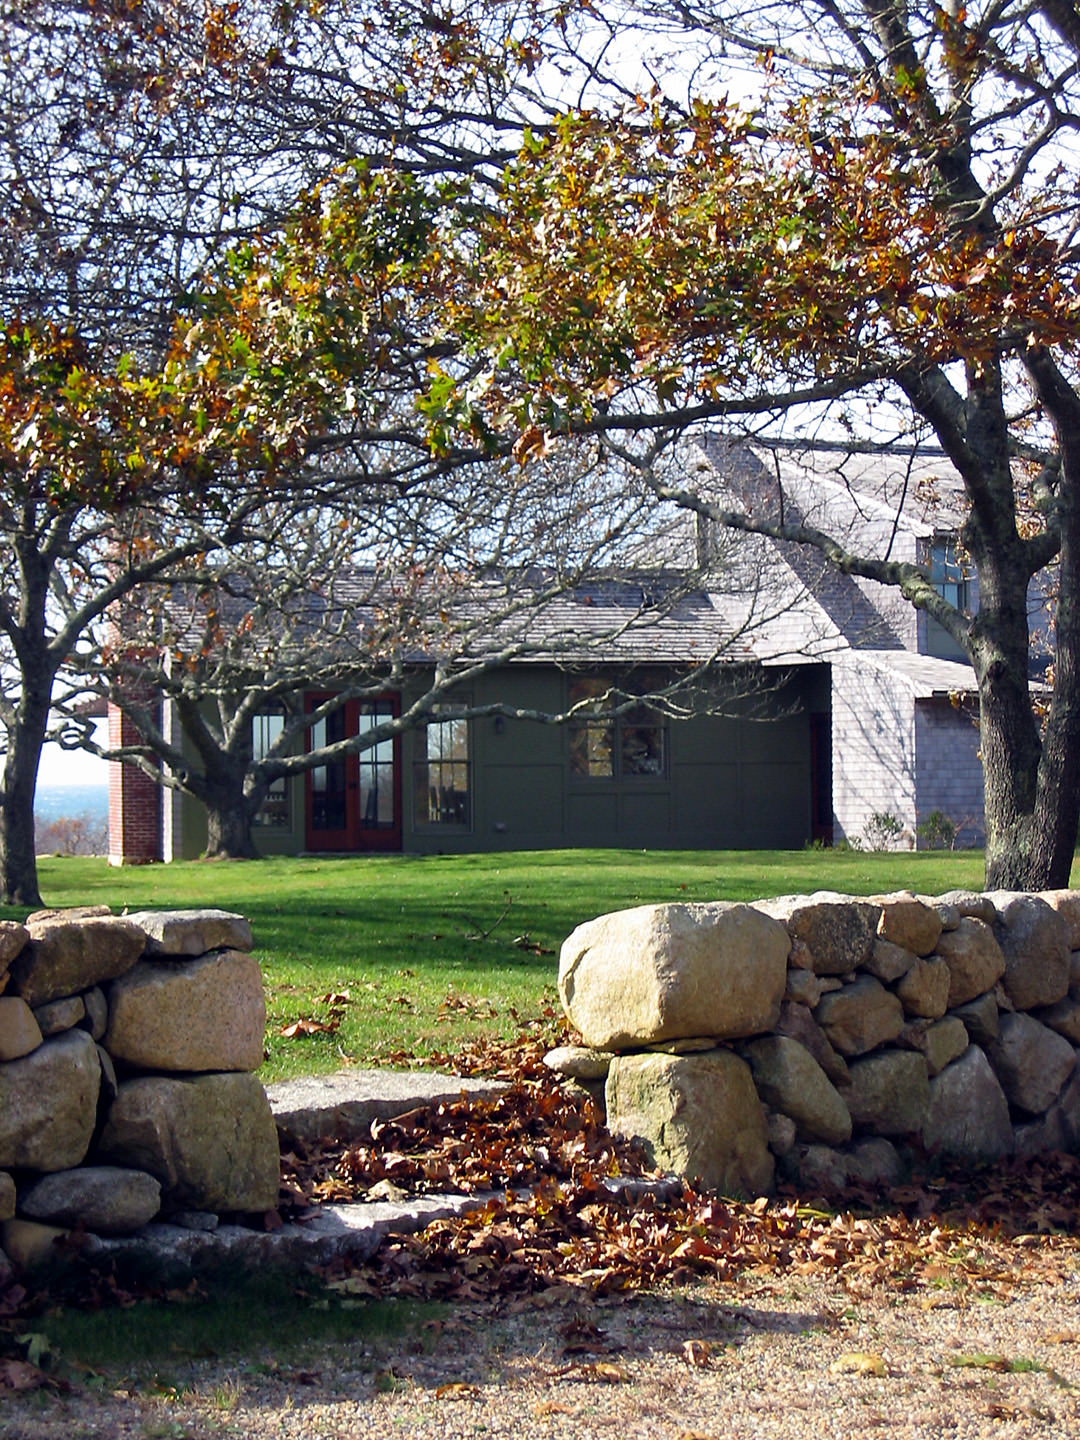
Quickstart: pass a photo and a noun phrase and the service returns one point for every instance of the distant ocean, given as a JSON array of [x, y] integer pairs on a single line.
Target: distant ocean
[[56, 801]]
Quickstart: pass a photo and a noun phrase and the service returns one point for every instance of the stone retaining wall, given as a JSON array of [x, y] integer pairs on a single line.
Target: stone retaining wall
[[127, 1046], [828, 1036]]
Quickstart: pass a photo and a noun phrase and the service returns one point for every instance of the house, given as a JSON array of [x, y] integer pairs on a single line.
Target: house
[[902, 705], [827, 706]]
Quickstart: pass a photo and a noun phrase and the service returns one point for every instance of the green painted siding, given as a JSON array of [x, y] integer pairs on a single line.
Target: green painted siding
[[731, 779]]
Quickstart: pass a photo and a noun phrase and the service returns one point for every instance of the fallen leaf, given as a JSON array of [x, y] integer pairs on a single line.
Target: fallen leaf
[[308, 1027], [552, 1407], [36, 1345], [18, 1375], [386, 1190], [1061, 1337], [579, 1337], [696, 1352], [1004, 1410], [457, 1390], [352, 1285], [603, 1372], [999, 1363], [859, 1362], [937, 1301]]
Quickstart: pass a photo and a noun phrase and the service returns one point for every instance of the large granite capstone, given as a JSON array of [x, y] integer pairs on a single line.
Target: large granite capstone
[[668, 972]]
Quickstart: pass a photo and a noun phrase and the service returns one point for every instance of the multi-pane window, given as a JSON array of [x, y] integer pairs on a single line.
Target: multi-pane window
[[328, 793], [592, 739], [627, 746], [950, 578], [266, 729], [376, 764], [442, 780], [948, 573], [642, 744]]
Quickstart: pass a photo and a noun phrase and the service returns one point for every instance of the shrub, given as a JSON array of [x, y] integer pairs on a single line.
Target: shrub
[[937, 831], [882, 831], [73, 835]]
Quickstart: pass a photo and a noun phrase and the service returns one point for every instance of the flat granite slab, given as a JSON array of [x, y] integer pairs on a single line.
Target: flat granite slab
[[333, 1230], [343, 1105], [174, 1252]]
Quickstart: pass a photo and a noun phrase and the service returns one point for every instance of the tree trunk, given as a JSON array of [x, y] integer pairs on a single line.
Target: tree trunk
[[1023, 851], [228, 836], [1032, 780], [1050, 843], [18, 861], [1008, 733], [230, 809]]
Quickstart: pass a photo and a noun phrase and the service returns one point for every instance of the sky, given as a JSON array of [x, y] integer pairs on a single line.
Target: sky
[[74, 767]]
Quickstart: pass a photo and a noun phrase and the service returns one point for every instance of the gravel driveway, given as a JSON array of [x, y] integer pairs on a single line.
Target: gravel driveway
[[791, 1357]]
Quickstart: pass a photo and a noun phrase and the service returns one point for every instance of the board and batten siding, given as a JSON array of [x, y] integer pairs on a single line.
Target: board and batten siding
[[736, 778]]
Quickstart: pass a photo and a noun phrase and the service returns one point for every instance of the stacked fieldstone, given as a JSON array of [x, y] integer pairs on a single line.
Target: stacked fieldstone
[[127, 1046], [828, 1034]]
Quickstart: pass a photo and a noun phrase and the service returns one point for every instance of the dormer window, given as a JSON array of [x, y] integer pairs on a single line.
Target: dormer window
[[951, 578], [948, 573]]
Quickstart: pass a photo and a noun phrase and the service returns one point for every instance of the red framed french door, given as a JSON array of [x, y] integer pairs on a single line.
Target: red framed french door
[[354, 803]]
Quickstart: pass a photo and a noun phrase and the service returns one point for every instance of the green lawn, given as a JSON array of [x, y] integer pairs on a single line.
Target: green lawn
[[432, 951]]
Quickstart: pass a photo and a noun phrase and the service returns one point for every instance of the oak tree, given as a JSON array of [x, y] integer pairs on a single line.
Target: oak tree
[[139, 144], [854, 219]]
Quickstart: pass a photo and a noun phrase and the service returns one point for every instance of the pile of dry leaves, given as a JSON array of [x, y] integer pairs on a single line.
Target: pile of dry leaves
[[577, 1209], [567, 1217]]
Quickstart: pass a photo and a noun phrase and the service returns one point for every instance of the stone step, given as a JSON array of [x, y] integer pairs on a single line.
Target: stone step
[[354, 1230], [343, 1105]]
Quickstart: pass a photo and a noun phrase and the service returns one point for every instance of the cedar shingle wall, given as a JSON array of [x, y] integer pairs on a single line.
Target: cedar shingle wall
[[873, 738], [950, 777]]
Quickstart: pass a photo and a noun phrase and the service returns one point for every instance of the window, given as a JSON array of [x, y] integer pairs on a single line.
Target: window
[[592, 741], [442, 782], [641, 743], [328, 797], [376, 768], [628, 746], [949, 576], [266, 729], [948, 573]]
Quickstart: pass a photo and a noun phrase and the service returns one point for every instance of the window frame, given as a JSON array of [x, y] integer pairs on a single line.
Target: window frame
[[279, 791], [458, 815], [640, 718]]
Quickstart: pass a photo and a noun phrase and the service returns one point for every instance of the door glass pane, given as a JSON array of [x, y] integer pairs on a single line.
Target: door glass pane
[[328, 808], [376, 770]]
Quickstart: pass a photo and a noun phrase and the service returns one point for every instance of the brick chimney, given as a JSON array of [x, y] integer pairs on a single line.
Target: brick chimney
[[134, 802]]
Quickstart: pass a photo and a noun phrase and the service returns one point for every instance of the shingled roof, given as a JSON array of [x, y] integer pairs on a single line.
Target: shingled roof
[[648, 618]]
